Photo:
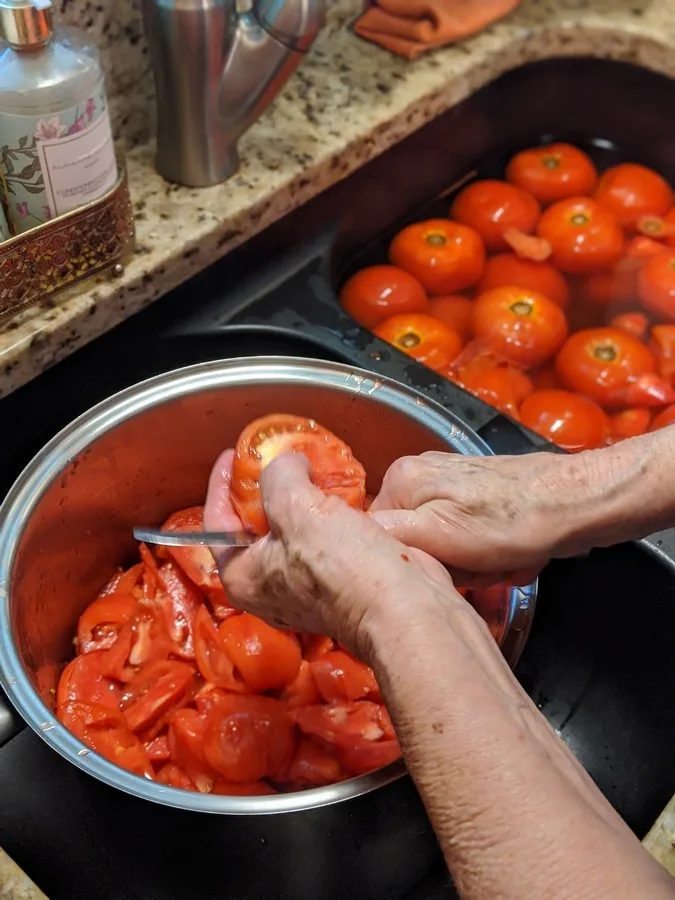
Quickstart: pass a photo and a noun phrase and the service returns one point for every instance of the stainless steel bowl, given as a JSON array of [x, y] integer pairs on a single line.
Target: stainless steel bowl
[[66, 523]]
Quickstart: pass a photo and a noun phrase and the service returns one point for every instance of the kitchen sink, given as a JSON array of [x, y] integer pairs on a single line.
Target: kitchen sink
[[599, 661]]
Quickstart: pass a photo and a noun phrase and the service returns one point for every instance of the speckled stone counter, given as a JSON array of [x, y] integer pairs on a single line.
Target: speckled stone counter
[[14, 883], [348, 102]]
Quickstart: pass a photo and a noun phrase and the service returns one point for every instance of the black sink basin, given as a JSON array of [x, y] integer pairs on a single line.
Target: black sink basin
[[599, 660]]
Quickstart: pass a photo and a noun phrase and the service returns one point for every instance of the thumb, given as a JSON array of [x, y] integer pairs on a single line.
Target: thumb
[[287, 491]]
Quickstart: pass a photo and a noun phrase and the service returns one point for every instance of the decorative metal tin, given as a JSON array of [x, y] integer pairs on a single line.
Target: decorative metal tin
[[67, 249]]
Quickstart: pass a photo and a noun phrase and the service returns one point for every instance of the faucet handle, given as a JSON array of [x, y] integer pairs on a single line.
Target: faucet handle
[[295, 23]]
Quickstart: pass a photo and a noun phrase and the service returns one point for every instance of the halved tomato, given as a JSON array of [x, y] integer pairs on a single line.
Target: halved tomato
[[82, 680], [312, 766], [266, 658], [154, 690], [100, 623], [333, 468], [213, 660], [341, 677]]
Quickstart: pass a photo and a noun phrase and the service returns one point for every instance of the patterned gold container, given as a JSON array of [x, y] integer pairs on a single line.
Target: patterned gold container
[[66, 249]]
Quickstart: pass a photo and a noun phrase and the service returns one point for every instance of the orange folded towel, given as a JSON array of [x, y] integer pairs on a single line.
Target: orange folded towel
[[410, 27]]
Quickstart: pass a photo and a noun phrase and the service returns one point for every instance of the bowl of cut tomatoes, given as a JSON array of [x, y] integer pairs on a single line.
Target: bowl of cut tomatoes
[[130, 661], [548, 294]]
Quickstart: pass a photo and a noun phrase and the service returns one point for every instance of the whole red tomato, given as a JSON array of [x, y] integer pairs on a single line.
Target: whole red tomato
[[491, 207], [631, 191], [635, 323], [629, 423], [617, 286], [426, 339], [553, 173], [603, 363], [455, 312], [503, 387], [663, 419], [584, 236], [569, 420], [656, 284], [525, 327], [444, 256], [378, 292], [508, 269], [662, 343]]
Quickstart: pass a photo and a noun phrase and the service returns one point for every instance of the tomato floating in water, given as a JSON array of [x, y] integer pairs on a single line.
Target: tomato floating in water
[[426, 339], [525, 327], [552, 173], [503, 387], [569, 420], [663, 419], [629, 423], [635, 323], [378, 292], [662, 344], [506, 269], [455, 312], [584, 236], [492, 207], [611, 367], [444, 256], [656, 285], [333, 468], [632, 191]]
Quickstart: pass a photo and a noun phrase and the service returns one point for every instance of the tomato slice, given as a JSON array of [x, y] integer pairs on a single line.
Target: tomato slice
[[82, 680], [100, 623], [180, 601], [303, 690], [81, 718], [333, 468], [249, 738], [339, 676], [153, 690], [346, 725], [265, 657], [197, 562], [312, 766], [158, 749], [212, 659], [242, 789], [187, 732], [173, 776], [359, 760]]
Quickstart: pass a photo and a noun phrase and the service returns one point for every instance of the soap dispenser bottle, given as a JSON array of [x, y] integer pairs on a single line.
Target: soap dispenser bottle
[[56, 146]]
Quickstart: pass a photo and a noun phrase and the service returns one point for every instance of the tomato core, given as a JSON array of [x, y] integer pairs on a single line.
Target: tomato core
[[550, 162], [579, 219], [520, 308], [409, 340], [606, 353], [436, 240]]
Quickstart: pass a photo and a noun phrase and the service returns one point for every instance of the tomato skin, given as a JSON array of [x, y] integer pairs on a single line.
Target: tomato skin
[[339, 676], [82, 718], [249, 738], [187, 733], [424, 338], [634, 323], [631, 191], [662, 344], [584, 236], [101, 622], [179, 601], [629, 423], [553, 173], [154, 689], [656, 285], [83, 681], [507, 269], [303, 690], [602, 362], [569, 420], [158, 749], [453, 311], [525, 327], [245, 789], [378, 292], [663, 419], [196, 562], [444, 256], [211, 656], [491, 206], [265, 657], [333, 468], [312, 766], [173, 776]]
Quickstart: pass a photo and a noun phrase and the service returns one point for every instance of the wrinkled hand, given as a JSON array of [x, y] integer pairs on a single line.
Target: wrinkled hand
[[486, 518], [323, 567]]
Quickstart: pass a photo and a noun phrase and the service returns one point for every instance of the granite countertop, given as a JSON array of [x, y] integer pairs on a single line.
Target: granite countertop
[[14, 883], [348, 102]]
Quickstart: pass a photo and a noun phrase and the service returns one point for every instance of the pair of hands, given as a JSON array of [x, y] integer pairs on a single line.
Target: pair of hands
[[327, 568]]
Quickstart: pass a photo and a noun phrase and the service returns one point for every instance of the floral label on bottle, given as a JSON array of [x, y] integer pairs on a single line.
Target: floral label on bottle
[[55, 163]]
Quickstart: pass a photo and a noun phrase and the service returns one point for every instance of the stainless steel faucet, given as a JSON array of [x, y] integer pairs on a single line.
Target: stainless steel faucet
[[218, 64]]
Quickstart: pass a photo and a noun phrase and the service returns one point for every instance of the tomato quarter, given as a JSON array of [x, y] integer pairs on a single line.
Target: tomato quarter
[[426, 339], [569, 420], [444, 256], [339, 676], [265, 658], [333, 468], [583, 235], [525, 327], [553, 173], [378, 292], [491, 207], [82, 680]]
